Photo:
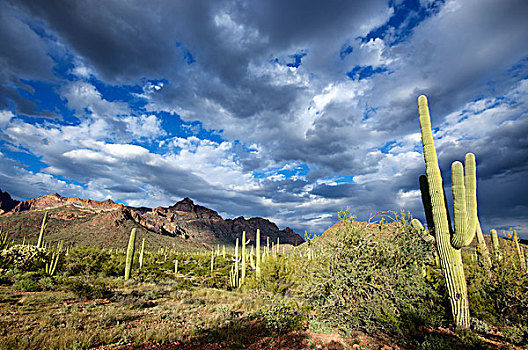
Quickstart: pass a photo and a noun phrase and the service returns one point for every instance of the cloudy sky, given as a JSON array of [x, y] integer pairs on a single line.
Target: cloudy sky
[[289, 110]]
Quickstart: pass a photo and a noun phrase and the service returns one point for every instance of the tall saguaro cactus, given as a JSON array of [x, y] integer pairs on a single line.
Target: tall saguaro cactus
[[464, 193], [130, 253]]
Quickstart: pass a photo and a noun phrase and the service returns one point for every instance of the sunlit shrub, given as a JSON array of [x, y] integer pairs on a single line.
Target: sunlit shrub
[[375, 279]]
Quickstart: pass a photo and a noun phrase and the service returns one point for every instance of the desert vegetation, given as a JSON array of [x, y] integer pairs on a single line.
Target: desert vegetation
[[375, 283]]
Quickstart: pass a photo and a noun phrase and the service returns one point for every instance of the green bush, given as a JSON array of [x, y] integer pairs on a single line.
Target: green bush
[[87, 288], [375, 279], [93, 261], [499, 297], [29, 282], [281, 317], [278, 275], [434, 342]]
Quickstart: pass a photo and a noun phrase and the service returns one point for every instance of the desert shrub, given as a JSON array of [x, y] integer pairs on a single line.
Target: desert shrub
[[93, 261], [280, 317], [434, 342], [28, 282], [516, 333], [88, 288], [470, 340], [500, 296], [318, 326], [375, 279], [278, 275], [215, 280], [481, 303]]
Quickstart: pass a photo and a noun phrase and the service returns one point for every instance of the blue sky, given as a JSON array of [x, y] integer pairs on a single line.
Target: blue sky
[[290, 111]]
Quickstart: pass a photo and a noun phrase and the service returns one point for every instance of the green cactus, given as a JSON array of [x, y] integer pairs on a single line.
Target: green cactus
[[40, 242], [130, 253], [448, 245], [51, 265], [519, 251], [257, 257], [482, 248], [212, 260], [233, 278], [4, 240], [235, 258], [251, 259], [141, 254], [244, 258], [495, 244]]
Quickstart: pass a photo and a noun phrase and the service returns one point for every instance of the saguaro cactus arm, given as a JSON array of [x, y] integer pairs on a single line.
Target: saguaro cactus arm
[[470, 181], [459, 206]]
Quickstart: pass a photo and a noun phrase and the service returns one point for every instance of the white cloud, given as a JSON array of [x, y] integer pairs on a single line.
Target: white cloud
[[5, 118]]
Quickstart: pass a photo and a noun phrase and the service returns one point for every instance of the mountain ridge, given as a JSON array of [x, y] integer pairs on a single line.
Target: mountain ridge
[[184, 219]]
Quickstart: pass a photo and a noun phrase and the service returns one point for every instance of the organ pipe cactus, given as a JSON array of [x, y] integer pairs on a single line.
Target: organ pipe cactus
[[464, 194], [40, 242], [130, 253]]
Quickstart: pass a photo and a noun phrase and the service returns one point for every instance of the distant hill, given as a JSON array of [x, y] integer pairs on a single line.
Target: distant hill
[[106, 223]]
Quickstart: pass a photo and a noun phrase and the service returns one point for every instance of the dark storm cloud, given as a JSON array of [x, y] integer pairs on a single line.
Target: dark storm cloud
[[23, 55]]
